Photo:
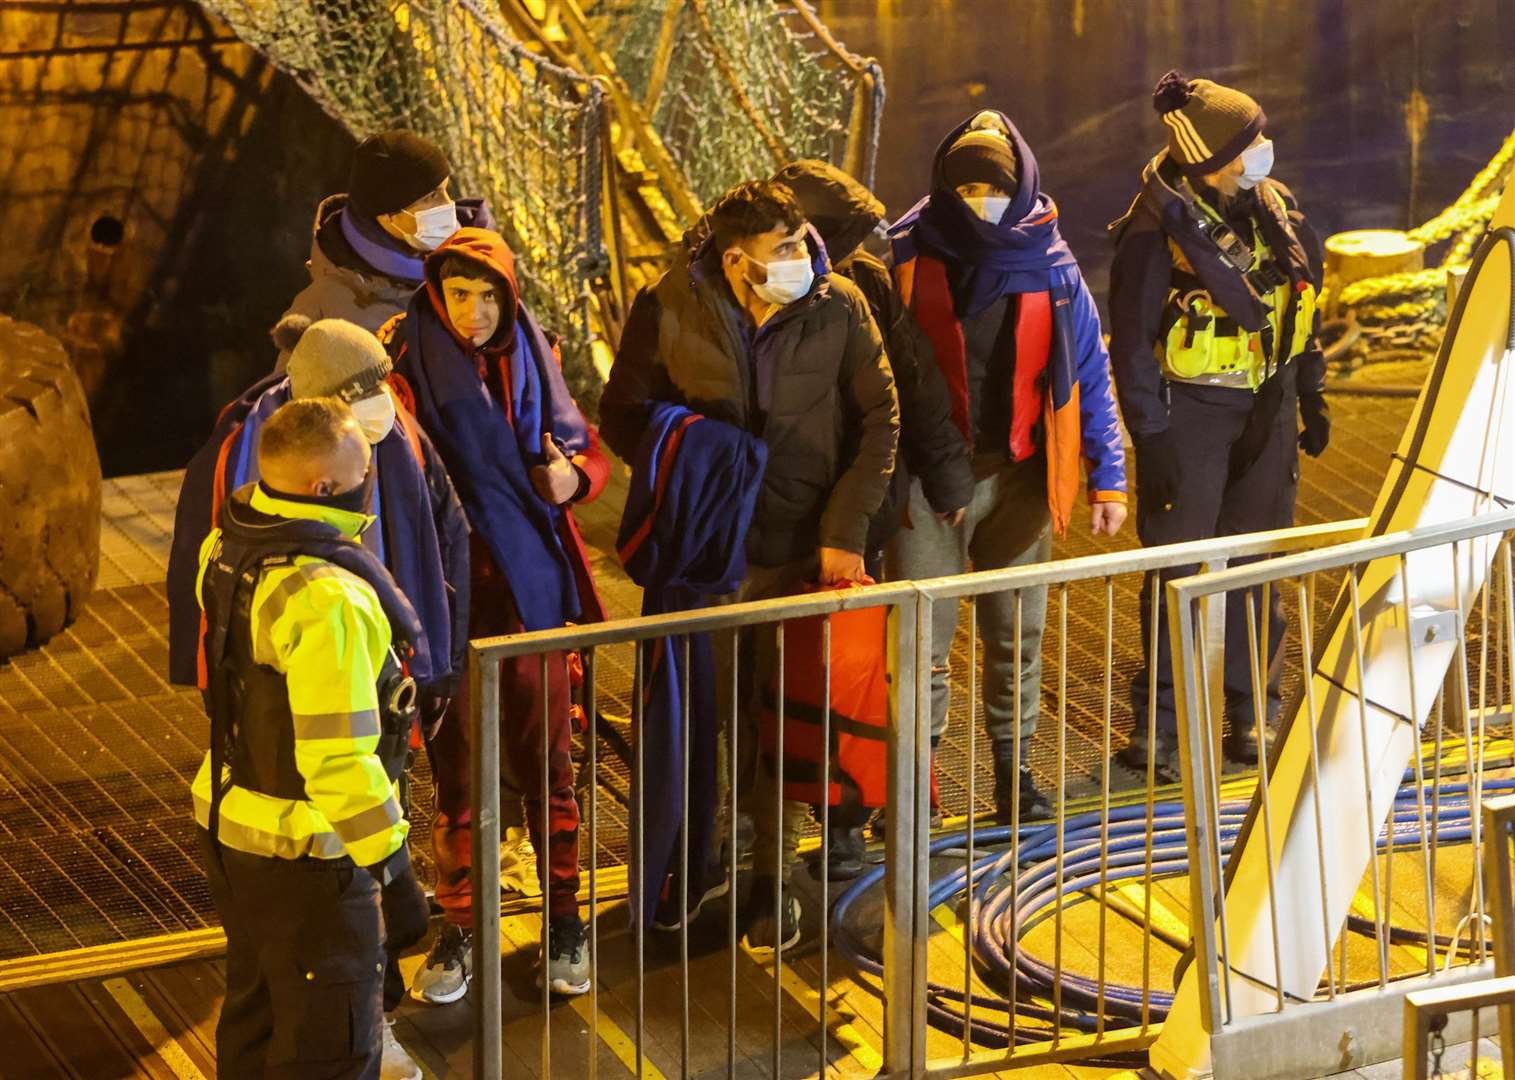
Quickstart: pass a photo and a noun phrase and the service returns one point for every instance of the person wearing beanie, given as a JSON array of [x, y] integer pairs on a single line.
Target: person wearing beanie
[[420, 533], [368, 243], [981, 267], [1219, 371], [473, 365]]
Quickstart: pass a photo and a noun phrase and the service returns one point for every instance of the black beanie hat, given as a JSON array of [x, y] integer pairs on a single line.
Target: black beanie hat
[[1208, 124], [392, 170], [982, 155]]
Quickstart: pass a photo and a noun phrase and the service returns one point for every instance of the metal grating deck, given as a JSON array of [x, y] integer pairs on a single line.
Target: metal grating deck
[[97, 750]]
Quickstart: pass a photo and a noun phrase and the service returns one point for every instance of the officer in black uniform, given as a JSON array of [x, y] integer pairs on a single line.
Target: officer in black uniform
[[1214, 347]]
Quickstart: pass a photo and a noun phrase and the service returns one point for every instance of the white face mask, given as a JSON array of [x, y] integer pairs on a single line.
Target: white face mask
[[788, 280], [990, 208], [375, 415], [434, 226], [1256, 164]]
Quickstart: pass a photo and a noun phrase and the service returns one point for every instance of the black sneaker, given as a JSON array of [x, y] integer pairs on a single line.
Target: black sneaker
[[1165, 760], [701, 892], [1034, 805], [848, 855], [567, 956], [768, 933], [879, 826], [1240, 744]]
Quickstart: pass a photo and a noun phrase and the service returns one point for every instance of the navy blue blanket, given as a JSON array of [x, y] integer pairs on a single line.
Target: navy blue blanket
[[694, 485]]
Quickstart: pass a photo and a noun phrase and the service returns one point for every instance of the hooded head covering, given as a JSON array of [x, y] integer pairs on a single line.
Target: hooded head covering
[[842, 210], [487, 409], [987, 260], [488, 251]]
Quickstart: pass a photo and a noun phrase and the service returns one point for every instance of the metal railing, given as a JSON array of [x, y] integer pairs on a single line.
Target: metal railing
[[1251, 959], [905, 972]]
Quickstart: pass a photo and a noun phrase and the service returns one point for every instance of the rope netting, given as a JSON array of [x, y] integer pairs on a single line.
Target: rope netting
[[1400, 317], [520, 132], [735, 88]]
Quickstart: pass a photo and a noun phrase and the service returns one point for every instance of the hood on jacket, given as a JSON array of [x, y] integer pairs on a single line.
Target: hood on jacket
[[1023, 202], [835, 207], [842, 210], [489, 250]]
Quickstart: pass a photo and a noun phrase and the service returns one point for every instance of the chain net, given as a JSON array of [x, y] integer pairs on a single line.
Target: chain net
[[735, 88], [1401, 317], [519, 132]]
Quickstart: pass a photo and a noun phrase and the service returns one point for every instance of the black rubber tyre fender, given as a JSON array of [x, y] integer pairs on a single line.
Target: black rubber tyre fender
[[49, 490]]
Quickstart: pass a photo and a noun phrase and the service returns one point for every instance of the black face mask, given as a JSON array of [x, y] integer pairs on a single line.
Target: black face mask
[[356, 501]]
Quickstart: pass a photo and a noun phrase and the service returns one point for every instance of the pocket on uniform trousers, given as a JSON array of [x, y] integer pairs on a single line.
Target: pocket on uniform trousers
[[335, 1000], [334, 1011]]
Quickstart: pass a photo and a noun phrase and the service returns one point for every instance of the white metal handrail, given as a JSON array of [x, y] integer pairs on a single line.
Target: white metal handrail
[[907, 839]]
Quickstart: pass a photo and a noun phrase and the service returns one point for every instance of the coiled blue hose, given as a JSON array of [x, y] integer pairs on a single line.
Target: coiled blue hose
[[997, 926]]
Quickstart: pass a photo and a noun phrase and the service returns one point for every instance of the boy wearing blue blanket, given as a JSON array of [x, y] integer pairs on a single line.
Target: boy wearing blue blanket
[[483, 377], [756, 332]]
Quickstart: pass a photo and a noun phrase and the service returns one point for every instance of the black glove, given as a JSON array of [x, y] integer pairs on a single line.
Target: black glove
[[407, 915], [431, 703], [1157, 471], [1315, 421]]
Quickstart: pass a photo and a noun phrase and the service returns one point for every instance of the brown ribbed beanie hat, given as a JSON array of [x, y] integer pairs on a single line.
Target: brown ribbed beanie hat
[[336, 358], [1208, 124]]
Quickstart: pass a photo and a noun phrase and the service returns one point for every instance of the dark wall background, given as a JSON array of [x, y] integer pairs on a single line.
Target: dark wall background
[[1382, 110]]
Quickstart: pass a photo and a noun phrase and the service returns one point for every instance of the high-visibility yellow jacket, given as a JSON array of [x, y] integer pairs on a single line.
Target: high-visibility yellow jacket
[[323, 629]]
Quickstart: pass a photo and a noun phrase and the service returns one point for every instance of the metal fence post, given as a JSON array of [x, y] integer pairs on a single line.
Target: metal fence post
[[1184, 649], [901, 1054], [1499, 877], [484, 803]]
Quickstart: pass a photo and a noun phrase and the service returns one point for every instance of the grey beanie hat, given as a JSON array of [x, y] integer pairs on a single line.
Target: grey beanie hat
[[336, 358]]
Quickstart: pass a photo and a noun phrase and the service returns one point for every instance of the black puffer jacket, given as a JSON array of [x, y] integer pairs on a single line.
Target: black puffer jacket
[[830, 423], [844, 212]]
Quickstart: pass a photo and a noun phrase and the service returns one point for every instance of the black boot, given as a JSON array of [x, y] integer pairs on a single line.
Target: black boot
[[1034, 806], [1240, 743], [1135, 754]]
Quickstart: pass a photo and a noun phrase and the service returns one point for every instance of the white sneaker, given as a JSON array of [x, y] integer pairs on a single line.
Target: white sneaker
[[444, 976], [518, 863], [396, 1064]]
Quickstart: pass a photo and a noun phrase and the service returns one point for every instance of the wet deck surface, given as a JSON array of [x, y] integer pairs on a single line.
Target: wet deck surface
[[96, 842]]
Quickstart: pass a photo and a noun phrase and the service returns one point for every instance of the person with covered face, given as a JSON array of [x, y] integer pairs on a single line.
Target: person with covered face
[[755, 331], [1214, 345], [368, 244], [485, 380], [982, 268]]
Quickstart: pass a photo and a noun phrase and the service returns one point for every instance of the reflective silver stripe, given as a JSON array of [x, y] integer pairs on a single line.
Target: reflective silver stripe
[[1236, 380], [279, 597], [370, 822], [255, 841], [337, 725]]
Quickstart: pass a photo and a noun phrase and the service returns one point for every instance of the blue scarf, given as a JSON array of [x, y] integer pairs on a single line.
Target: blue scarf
[[694, 485], [405, 538], [379, 254], [490, 457], [987, 261]]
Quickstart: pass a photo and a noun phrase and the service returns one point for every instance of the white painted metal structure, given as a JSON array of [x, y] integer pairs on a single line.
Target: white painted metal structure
[[1395, 631]]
